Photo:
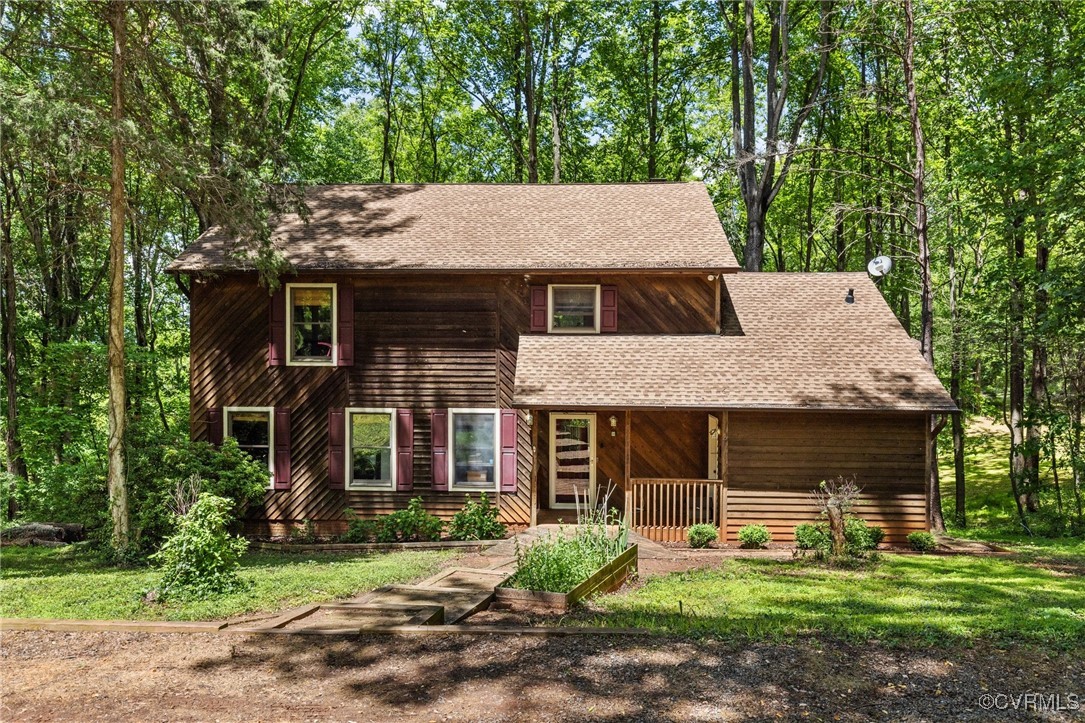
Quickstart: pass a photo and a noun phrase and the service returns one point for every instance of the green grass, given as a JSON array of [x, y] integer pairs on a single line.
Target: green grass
[[37, 582], [902, 600]]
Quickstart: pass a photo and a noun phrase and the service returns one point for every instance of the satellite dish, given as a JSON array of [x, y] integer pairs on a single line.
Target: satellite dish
[[879, 266]]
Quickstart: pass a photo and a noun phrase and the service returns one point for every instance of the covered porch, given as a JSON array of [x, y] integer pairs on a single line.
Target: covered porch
[[662, 470]]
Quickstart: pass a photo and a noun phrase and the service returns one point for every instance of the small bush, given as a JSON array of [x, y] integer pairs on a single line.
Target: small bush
[[922, 541], [359, 530], [877, 535], [701, 535], [813, 537], [476, 521], [303, 534], [413, 524], [201, 558], [754, 536]]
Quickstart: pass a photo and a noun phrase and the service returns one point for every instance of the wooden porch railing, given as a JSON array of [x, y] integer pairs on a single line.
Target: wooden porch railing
[[662, 509]]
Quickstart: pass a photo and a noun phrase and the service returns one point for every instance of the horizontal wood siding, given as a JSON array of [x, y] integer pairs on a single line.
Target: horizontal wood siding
[[775, 460]]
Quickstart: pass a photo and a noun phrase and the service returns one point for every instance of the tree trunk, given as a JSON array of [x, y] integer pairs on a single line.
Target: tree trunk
[[16, 464], [836, 529], [1038, 370], [753, 257], [955, 390], [118, 488], [653, 104]]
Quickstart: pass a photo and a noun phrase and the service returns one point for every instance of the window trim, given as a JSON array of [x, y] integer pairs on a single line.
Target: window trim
[[348, 471], [451, 448], [551, 329], [270, 411], [333, 358]]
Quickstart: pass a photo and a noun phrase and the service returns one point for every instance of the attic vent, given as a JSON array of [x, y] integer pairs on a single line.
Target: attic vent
[[850, 298]]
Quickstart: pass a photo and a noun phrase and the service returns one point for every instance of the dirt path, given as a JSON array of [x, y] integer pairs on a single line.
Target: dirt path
[[137, 676]]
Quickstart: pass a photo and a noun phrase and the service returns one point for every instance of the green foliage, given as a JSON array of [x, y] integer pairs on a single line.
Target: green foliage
[[558, 563], [754, 536], [303, 534], [225, 471], [359, 530], [75, 582], [413, 524], [201, 558], [701, 535], [476, 521], [859, 537], [922, 541]]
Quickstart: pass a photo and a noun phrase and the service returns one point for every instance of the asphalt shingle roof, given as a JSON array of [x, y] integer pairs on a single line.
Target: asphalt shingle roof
[[802, 347], [491, 227]]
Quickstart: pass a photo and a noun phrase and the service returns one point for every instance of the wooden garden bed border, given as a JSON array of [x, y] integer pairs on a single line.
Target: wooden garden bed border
[[609, 577], [460, 545]]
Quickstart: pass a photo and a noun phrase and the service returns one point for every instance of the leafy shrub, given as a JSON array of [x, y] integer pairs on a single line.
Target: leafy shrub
[[754, 536], [413, 524], [476, 521], [359, 530], [922, 541], [813, 537], [201, 558], [559, 563], [701, 535], [225, 471], [859, 537]]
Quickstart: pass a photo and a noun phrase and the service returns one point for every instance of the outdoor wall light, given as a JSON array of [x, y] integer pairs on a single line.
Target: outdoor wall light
[[530, 419], [613, 426], [850, 298]]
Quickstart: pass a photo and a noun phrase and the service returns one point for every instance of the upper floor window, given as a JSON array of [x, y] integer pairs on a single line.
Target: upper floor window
[[310, 323], [254, 432], [574, 308], [372, 435]]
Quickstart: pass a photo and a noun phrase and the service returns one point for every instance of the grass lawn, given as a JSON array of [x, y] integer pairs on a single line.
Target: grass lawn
[[64, 582], [903, 600]]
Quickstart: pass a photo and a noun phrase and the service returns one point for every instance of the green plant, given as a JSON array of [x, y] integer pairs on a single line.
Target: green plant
[[922, 541], [877, 535], [304, 534], [754, 536], [859, 538], [701, 535], [809, 536], [413, 524], [476, 521], [201, 558], [359, 530]]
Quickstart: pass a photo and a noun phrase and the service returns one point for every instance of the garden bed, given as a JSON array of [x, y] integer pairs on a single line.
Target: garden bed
[[321, 547], [607, 578]]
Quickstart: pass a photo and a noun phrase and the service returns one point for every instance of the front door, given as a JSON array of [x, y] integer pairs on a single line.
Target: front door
[[572, 459]]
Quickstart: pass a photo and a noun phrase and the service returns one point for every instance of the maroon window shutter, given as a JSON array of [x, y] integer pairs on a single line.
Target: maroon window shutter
[[509, 426], [538, 308], [345, 355], [337, 457], [439, 430], [608, 309], [404, 450], [282, 448], [276, 345], [214, 426]]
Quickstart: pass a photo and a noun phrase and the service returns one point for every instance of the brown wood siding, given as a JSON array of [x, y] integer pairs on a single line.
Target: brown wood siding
[[775, 459], [669, 444]]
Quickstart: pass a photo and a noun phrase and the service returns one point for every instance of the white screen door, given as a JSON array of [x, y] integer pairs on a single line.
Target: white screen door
[[572, 459]]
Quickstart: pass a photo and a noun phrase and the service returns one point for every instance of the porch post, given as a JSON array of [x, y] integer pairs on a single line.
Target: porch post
[[534, 467], [628, 473], [724, 473]]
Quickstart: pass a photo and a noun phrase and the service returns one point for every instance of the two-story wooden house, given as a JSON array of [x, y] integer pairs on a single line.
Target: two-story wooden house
[[539, 341]]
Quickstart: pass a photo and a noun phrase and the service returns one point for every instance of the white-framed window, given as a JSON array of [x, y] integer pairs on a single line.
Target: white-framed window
[[311, 318], [573, 308], [254, 430], [474, 438], [371, 449]]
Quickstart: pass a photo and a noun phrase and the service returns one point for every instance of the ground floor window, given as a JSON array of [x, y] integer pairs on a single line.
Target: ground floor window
[[372, 436], [473, 450], [254, 432]]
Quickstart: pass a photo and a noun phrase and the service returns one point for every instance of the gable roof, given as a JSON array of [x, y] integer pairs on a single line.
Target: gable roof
[[491, 227], [802, 347]]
